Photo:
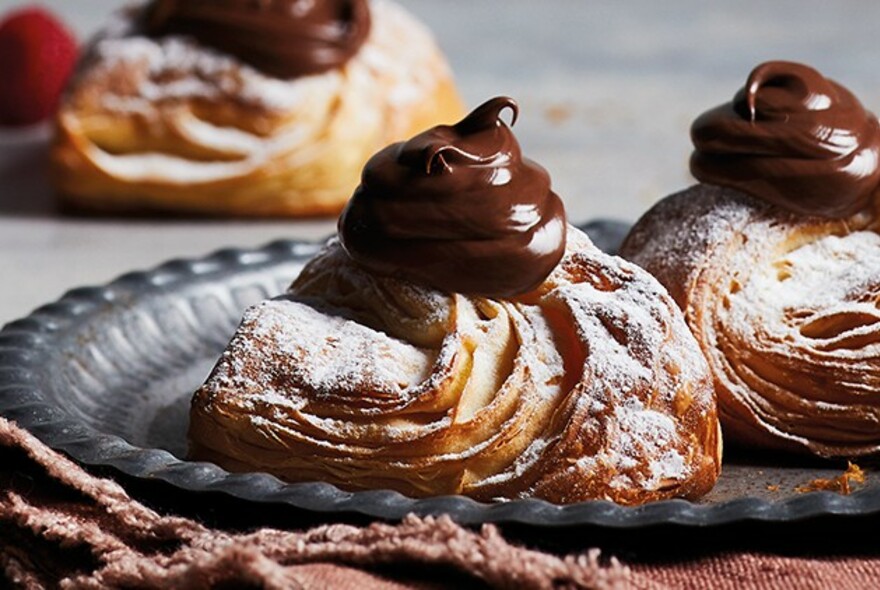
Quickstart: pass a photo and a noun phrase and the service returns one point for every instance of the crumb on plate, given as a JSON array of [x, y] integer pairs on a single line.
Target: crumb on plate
[[839, 484]]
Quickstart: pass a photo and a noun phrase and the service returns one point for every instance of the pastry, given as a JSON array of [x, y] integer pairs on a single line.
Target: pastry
[[774, 260], [459, 338], [243, 108]]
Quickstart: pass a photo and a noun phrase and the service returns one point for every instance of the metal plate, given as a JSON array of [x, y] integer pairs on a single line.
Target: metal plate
[[106, 373]]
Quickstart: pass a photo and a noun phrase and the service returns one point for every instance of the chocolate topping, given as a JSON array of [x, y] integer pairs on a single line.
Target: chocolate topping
[[794, 138], [284, 38], [458, 208]]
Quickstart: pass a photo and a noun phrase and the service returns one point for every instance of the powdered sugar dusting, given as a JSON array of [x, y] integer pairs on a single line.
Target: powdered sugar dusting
[[810, 310], [329, 352], [830, 276], [174, 68], [713, 213], [163, 83], [481, 379], [786, 308], [644, 432], [627, 322]]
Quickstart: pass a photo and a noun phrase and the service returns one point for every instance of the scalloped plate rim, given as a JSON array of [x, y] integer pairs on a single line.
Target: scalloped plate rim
[[33, 333]]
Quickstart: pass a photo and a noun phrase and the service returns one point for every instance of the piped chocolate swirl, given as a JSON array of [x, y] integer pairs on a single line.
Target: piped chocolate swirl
[[283, 38], [459, 209], [794, 138]]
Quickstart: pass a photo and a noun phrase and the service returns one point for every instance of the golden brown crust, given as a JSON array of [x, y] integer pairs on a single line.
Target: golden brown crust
[[590, 387], [167, 126], [785, 310]]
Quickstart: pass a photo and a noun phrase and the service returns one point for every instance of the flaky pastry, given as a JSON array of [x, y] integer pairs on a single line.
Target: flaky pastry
[[459, 338], [591, 387], [785, 309], [164, 123], [781, 286]]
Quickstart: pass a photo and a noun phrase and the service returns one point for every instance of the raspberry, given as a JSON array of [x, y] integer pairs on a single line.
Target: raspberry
[[37, 55]]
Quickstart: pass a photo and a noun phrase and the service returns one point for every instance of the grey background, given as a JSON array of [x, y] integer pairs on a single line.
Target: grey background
[[607, 89]]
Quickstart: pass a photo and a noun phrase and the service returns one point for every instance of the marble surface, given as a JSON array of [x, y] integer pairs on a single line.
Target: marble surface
[[607, 89]]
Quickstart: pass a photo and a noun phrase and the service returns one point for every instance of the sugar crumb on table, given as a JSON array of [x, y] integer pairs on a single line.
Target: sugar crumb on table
[[558, 113]]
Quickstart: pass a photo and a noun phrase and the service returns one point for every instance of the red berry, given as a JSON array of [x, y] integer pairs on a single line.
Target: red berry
[[37, 55]]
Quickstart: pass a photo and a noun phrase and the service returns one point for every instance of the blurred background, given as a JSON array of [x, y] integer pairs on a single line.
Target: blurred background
[[607, 93]]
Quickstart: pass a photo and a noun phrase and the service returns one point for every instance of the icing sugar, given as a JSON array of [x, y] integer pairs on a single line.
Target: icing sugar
[[176, 67], [643, 432], [157, 81], [343, 334], [712, 214], [328, 352], [627, 333], [786, 308], [832, 274]]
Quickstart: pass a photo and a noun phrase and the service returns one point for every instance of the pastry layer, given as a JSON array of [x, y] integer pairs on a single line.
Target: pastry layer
[[168, 125], [589, 387], [785, 309]]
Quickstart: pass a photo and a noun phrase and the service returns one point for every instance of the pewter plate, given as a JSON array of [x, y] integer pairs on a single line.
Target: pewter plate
[[106, 373]]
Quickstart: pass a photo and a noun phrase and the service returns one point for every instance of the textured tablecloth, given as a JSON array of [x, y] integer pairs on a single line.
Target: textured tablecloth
[[62, 526]]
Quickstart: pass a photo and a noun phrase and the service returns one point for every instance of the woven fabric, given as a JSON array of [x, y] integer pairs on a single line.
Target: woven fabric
[[62, 527], [746, 571]]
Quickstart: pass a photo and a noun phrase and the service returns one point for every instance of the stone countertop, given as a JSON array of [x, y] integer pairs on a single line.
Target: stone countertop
[[607, 90]]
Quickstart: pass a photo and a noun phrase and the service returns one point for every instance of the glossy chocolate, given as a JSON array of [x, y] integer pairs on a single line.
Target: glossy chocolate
[[794, 138], [458, 208], [284, 38]]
